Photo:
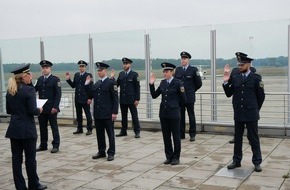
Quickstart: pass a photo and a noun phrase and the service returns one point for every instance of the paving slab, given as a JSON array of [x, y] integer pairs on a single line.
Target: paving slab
[[139, 164]]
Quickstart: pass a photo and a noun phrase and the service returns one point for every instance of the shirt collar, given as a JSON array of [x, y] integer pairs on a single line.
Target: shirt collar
[[104, 78], [46, 76], [169, 80], [247, 73], [128, 71], [186, 66]]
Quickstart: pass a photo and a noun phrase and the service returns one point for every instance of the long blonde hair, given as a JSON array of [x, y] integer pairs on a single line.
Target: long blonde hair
[[13, 83]]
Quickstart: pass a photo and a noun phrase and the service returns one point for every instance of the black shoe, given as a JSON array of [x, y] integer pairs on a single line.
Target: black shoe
[[110, 158], [137, 135], [40, 186], [232, 141], [167, 162], [77, 132], [182, 137], [54, 150], [234, 165], [98, 155], [89, 132], [258, 168], [175, 161], [121, 134], [192, 139], [40, 148]]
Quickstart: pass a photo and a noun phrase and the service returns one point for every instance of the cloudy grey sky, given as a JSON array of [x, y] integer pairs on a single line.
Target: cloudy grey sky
[[239, 26], [34, 18]]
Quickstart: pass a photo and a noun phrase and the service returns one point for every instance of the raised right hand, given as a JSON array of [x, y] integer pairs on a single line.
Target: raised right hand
[[227, 73], [88, 80], [67, 75], [112, 73], [152, 78]]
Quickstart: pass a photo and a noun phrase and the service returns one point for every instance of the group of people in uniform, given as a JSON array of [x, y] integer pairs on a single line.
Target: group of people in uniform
[[177, 91]]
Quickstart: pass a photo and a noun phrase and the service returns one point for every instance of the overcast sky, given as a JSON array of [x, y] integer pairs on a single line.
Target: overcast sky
[[36, 18], [237, 24]]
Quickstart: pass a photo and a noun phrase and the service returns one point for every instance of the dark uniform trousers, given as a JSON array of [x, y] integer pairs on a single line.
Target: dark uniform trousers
[[171, 126], [169, 114], [17, 148], [101, 126], [192, 82], [129, 93], [49, 89], [134, 113], [23, 135], [248, 97], [105, 96], [81, 99], [191, 115], [79, 110], [252, 129], [43, 119]]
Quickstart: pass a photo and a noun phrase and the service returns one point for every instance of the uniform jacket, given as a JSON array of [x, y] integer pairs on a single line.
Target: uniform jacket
[[129, 87], [78, 83], [248, 96], [172, 95], [105, 96], [191, 81], [49, 89], [22, 108]]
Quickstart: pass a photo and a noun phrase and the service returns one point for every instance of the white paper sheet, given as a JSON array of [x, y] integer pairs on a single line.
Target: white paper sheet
[[40, 102]]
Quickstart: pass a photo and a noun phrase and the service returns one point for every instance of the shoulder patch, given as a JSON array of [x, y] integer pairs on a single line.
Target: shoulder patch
[[197, 73], [58, 84], [261, 84], [182, 89], [115, 88]]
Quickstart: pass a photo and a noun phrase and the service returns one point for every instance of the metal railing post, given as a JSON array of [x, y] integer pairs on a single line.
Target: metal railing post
[[147, 75], [288, 120], [91, 57], [42, 55], [2, 85], [213, 74]]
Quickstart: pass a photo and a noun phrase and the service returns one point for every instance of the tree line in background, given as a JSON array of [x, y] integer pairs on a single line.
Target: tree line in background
[[139, 64]]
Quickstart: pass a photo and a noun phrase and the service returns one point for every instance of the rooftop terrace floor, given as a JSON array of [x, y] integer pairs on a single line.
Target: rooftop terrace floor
[[139, 164]]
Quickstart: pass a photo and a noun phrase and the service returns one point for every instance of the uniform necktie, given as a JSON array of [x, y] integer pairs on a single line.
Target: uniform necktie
[[168, 83], [44, 78], [184, 69], [244, 77]]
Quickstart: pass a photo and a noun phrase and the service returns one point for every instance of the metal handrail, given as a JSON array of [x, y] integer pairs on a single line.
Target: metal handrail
[[273, 114]]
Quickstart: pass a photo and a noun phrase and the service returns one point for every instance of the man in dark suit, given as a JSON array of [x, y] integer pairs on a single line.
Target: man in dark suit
[[247, 90], [129, 97], [172, 92], [191, 79], [48, 87], [21, 104], [234, 72], [82, 102], [105, 94]]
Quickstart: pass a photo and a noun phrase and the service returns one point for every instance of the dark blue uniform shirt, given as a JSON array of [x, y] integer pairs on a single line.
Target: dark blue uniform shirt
[[191, 81], [22, 108], [105, 96], [172, 95], [78, 83], [129, 87], [248, 96], [49, 89]]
